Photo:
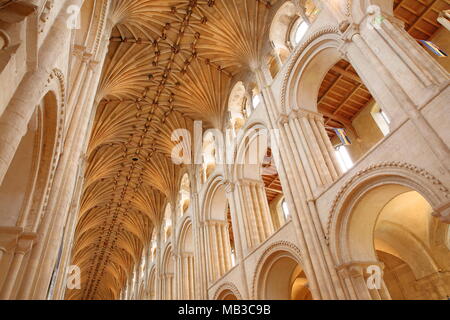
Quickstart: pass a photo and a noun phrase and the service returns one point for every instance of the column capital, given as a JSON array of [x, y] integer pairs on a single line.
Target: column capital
[[303, 113], [349, 32], [357, 268], [283, 119], [250, 182], [26, 241], [9, 237], [229, 186]]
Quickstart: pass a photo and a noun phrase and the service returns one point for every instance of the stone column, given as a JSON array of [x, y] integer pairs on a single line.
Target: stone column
[[219, 249], [14, 121], [44, 254], [255, 210], [388, 56], [295, 176], [24, 245], [314, 148], [239, 231]]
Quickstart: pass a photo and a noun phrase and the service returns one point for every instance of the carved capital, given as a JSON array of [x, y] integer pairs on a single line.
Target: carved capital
[[9, 237], [229, 186], [25, 243], [283, 119]]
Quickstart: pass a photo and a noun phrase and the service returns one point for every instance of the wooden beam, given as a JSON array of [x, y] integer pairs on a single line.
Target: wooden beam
[[347, 74]]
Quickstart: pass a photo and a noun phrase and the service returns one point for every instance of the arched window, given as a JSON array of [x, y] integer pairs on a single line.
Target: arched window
[[285, 209], [299, 31], [352, 118], [345, 161], [381, 119], [237, 106], [256, 100], [306, 16], [185, 194]]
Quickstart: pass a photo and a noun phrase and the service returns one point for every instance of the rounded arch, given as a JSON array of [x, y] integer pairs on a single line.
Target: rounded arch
[[227, 291], [215, 200], [152, 283], [357, 206], [184, 193], [281, 26], [168, 273], [237, 106], [273, 276], [251, 151], [308, 66], [216, 217], [29, 178]]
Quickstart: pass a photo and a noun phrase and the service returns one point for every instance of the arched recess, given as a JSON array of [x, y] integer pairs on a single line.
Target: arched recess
[[341, 109], [279, 275], [210, 153], [218, 229], [152, 284], [239, 108], [384, 218], [23, 190], [227, 291], [288, 28], [258, 184], [168, 274], [186, 260]]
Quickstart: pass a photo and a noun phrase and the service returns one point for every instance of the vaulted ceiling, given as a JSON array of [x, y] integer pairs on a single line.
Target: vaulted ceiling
[[170, 62]]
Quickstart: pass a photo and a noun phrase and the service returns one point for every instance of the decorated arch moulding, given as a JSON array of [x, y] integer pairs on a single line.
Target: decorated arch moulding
[[60, 93], [297, 55], [279, 246], [168, 250], [402, 173], [227, 286], [103, 25]]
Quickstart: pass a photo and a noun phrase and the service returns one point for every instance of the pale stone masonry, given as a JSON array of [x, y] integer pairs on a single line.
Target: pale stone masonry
[[228, 149]]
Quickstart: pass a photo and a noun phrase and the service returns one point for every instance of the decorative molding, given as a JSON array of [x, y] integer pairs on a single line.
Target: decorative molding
[[228, 286], [59, 143], [380, 166], [297, 53]]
